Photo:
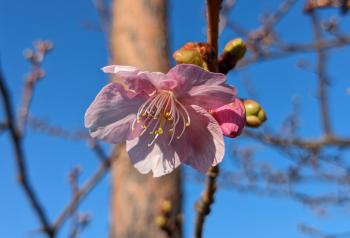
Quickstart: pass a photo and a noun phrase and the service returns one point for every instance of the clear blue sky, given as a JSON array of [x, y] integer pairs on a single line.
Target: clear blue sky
[[74, 78]]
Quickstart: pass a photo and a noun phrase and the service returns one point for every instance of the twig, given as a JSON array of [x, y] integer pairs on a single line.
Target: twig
[[104, 15], [74, 184], [281, 11], [35, 58], [289, 49], [311, 144], [20, 160], [43, 126], [322, 78], [81, 194], [213, 13], [207, 198]]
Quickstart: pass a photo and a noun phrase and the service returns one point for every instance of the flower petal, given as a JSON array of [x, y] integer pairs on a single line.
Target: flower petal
[[159, 157], [231, 118], [139, 80], [202, 144], [209, 96], [121, 70], [189, 75], [110, 115]]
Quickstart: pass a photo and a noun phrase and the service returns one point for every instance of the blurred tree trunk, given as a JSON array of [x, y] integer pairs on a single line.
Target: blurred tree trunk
[[139, 38]]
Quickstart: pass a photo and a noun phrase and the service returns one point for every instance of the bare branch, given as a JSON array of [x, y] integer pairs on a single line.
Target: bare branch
[[207, 198], [81, 194], [35, 58], [322, 78], [20, 159]]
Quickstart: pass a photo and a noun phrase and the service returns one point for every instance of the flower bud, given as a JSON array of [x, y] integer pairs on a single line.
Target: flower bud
[[197, 53], [166, 206], [231, 118], [234, 50], [183, 56], [255, 114], [161, 221]]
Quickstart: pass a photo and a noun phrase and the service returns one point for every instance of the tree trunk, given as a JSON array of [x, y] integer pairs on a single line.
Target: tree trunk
[[139, 38]]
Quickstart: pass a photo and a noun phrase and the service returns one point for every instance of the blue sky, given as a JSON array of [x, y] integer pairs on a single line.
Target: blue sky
[[74, 78]]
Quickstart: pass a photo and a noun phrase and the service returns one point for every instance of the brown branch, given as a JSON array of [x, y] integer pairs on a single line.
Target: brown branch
[[322, 78], [85, 189], [43, 126], [35, 58], [289, 49], [213, 13], [20, 160], [310, 144], [104, 15], [207, 198]]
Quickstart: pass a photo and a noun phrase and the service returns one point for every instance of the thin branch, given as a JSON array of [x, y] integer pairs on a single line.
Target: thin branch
[[289, 49], [43, 126], [311, 144], [213, 13], [36, 59], [20, 159], [322, 78], [207, 198], [81, 194]]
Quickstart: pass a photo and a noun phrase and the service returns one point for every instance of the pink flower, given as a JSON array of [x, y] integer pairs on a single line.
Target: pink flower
[[163, 118], [231, 118]]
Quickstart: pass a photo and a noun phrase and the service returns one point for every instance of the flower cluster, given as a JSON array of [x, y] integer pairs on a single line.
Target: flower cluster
[[167, 119]]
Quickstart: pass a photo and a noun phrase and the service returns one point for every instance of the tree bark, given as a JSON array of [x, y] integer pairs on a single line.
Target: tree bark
[[139, 38]]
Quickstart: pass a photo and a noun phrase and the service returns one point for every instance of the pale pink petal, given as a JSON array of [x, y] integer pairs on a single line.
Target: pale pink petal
[[231, 118], [121, 70], [189, 75], [202, 144], [110, 115], [209, 96], [139, 80], [160, 158]]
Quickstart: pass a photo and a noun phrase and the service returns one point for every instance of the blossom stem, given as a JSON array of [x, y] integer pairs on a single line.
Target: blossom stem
[[207, 197]]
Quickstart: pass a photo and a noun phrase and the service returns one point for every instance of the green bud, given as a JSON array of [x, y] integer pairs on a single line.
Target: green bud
[[236, 48], [184, 56], [262, 115], [255, 114], [251, 107], [234, 51], [253, 121]]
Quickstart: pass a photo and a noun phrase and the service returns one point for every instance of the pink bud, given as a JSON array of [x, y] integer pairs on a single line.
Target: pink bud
[[231, 118]]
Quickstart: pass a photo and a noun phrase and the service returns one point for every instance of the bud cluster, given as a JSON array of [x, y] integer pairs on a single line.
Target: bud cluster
[[255, 114]]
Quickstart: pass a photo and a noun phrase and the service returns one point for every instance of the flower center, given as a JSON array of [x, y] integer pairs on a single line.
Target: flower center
[[162, 113]]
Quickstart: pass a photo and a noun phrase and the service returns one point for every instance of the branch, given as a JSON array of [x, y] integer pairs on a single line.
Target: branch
[[207, 198], [213, 13], [36, 59], [310, 144], [85, 189], [20, 159], [289, 49], [322, 78]]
